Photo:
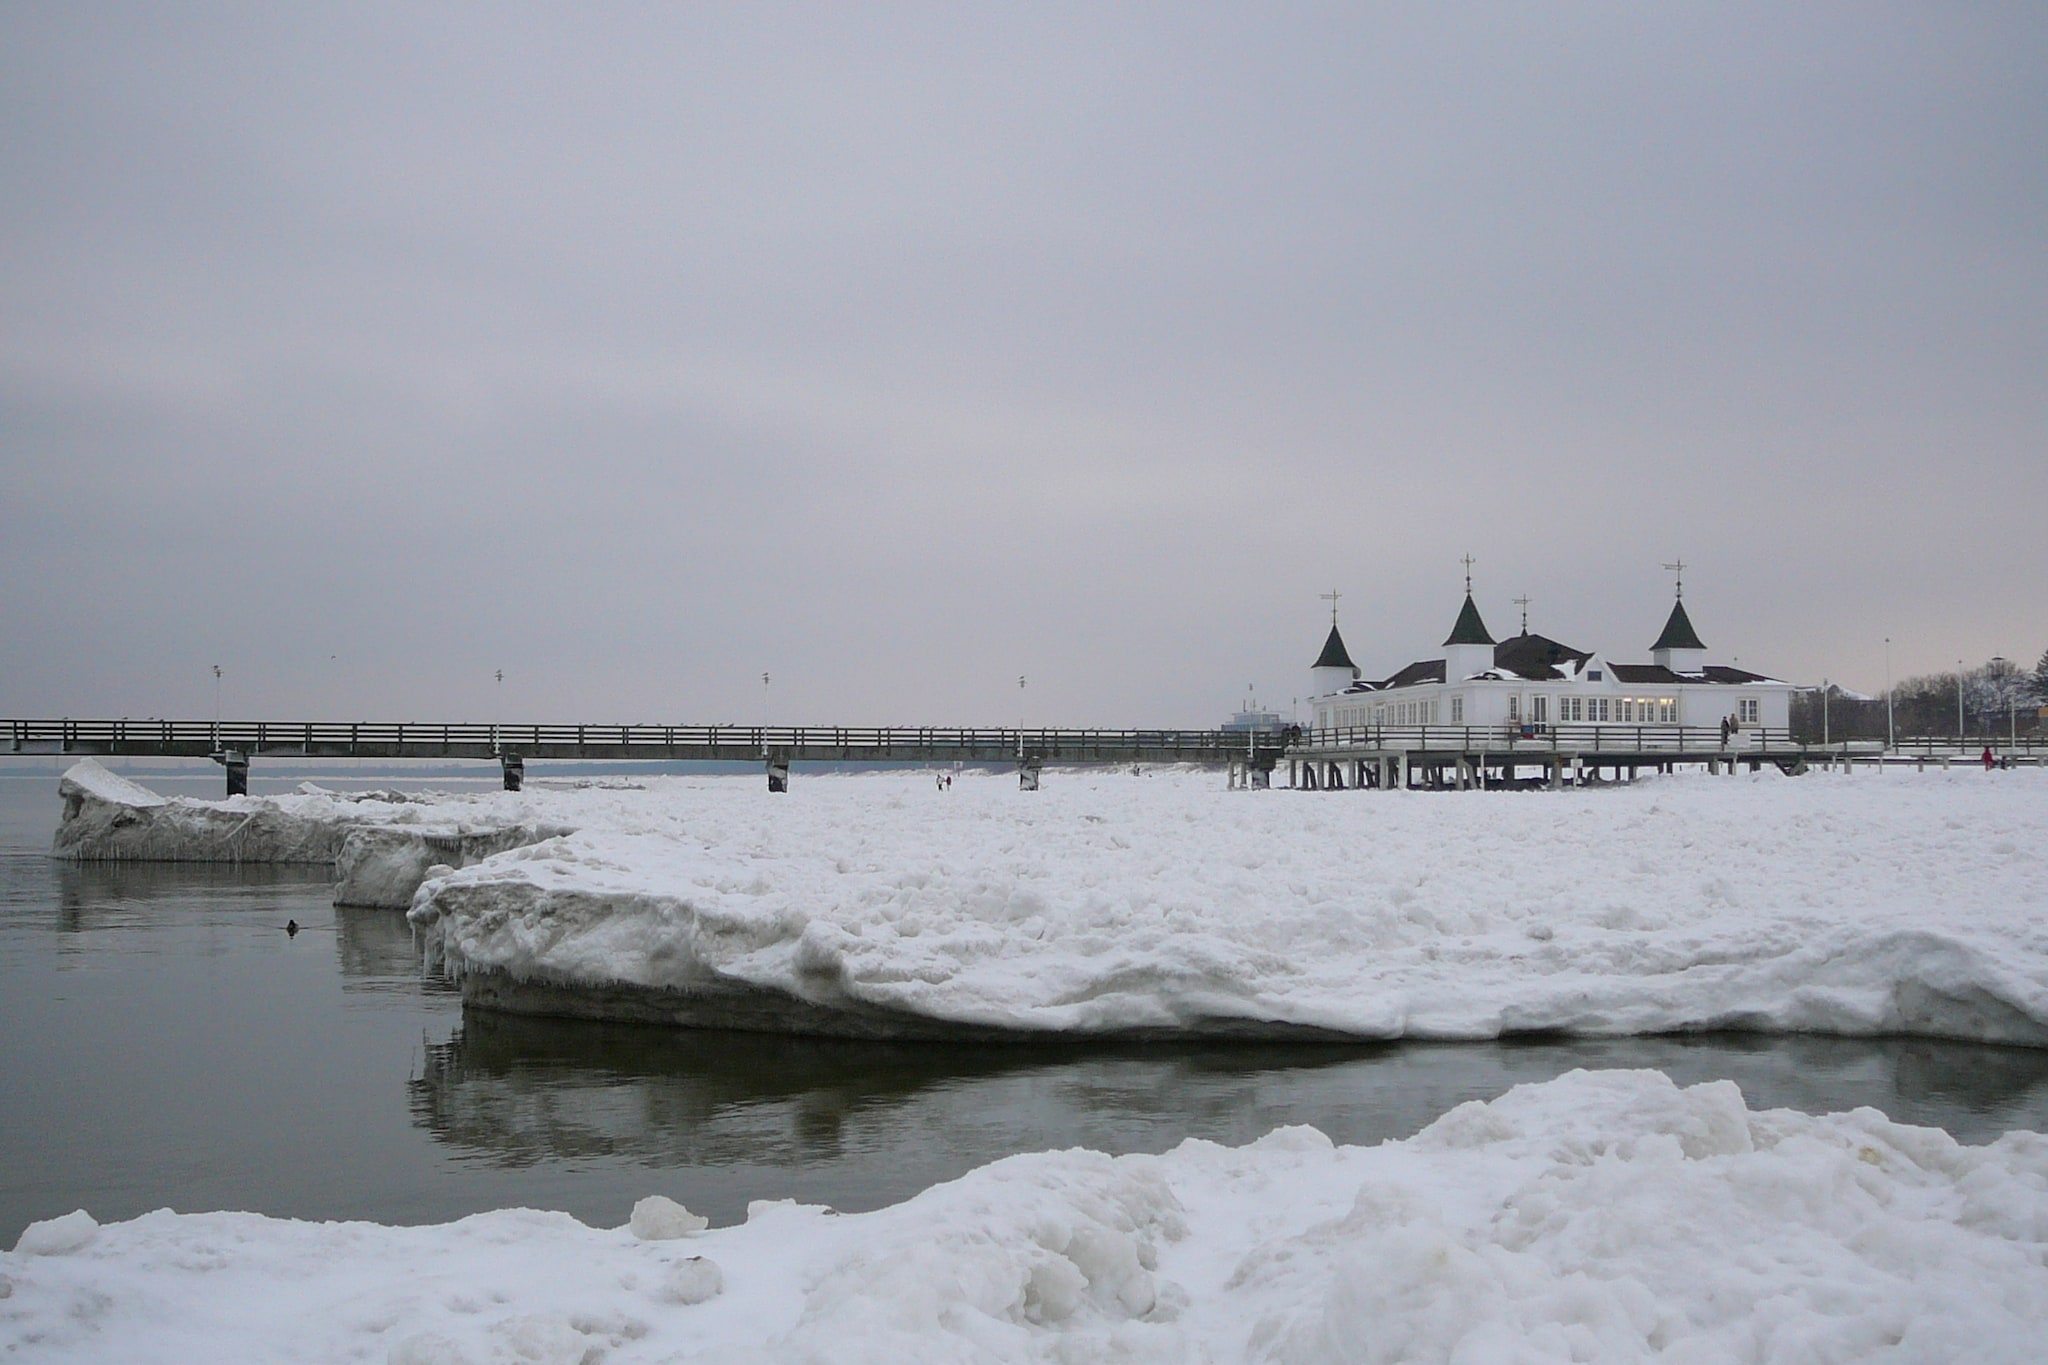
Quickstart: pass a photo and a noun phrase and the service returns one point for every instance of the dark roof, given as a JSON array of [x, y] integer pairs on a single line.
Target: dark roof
[[1656, 673], [1334, 655], [1470, 630], [1429, 670], [1535, 657], [1678, 631], [1721, 673]]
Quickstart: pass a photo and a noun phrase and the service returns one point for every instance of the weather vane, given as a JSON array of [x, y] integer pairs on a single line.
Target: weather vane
[[1677, 567], [1523, 603], [1331, 597], [1468, 562]]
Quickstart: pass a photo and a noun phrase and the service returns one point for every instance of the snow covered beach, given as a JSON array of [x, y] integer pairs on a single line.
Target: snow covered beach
[[1896, 903], [1602, 1216]]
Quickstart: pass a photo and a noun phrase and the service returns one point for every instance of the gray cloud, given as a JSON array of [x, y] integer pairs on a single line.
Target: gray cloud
[[898, 351]]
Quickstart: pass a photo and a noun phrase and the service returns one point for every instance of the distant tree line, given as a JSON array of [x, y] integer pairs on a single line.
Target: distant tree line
[[1983, 703]]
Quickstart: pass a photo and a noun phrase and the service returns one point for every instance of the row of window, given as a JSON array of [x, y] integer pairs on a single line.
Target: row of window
[[1571, 710], [1625, 710]]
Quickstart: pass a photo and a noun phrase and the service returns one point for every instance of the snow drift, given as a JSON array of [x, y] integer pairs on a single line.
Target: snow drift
[[1602, 1216], [1870, 904]]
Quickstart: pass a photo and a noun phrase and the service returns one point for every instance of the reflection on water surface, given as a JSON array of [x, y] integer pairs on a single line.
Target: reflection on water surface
[[518, 1091]]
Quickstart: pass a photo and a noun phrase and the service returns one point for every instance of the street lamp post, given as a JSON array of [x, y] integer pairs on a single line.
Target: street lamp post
[[216, 698], [1891, 730], [1824, 713]]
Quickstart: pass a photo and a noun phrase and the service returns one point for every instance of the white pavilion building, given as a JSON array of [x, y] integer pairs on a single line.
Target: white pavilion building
[[1531, 685]]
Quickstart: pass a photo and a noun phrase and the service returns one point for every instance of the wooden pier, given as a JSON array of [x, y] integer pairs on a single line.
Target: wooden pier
[[1381, 757], [235, 743]]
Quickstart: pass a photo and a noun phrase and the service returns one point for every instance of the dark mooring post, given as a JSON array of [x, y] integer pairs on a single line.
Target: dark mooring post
[[237, 764], [515, 771], [778, 771], [1027, 772]]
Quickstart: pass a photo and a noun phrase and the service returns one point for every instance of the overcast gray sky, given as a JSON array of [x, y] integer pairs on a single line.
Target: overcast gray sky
[[897, 351]]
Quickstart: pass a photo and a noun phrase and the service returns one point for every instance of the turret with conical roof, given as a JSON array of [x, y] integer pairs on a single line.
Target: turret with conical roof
[[1469, 648], [1679, 648], [1333, 670]]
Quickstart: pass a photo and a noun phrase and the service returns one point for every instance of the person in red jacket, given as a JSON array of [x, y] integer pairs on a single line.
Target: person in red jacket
[[1989, 762]]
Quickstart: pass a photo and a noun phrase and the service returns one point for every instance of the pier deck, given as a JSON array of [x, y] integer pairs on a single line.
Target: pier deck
[[1385, 756]]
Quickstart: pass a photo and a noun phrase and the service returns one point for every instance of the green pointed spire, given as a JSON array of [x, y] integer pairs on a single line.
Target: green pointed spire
[[1334, 654], [1470, 630], [1678, 631]]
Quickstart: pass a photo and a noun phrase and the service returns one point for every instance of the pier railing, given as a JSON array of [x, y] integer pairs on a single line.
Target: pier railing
[[374, 739]]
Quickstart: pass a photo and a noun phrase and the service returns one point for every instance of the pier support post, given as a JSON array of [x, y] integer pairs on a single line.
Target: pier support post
[[778, 771], [1027, 772], [515, 771], [237, 764]]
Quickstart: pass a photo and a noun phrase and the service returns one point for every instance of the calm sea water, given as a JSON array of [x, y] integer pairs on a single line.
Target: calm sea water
[[163, 1043]]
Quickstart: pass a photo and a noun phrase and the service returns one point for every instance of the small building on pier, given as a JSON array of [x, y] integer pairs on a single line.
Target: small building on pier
[[1531, 685]]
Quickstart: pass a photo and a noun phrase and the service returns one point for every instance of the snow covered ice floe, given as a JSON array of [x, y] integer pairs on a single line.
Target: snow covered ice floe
[[1602, 1216], [381, 844], [1900, 903]]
